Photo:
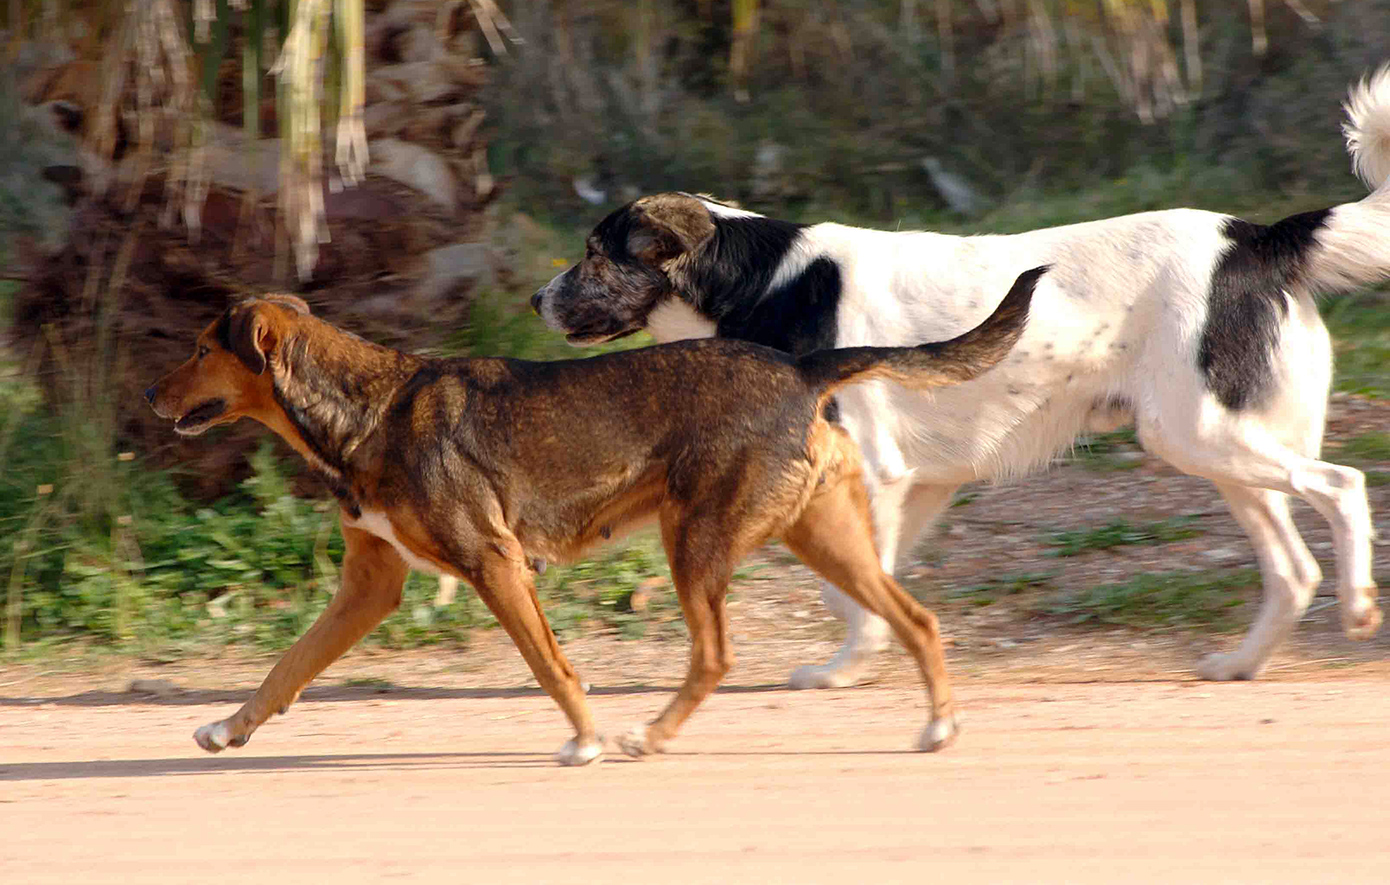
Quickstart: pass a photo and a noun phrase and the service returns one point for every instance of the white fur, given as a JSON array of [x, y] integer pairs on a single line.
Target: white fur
[[575, 753], [723, 210], [937, 735], [213, 737], [1112, 338], [674, 320], [377, 523], [634, 742]]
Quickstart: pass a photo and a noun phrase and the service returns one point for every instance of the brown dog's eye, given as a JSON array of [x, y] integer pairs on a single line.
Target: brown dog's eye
[[203, 350]]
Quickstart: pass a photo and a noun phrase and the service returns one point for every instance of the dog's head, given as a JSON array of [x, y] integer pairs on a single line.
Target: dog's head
[[227, 377], [627, 270]]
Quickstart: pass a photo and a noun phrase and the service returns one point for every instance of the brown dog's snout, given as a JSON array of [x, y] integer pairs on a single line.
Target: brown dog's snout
[[151, 392]]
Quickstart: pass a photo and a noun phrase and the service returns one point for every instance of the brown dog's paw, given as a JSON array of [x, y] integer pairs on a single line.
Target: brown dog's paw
[[576, 752], [636, 742], [217, 736], [938, 734]]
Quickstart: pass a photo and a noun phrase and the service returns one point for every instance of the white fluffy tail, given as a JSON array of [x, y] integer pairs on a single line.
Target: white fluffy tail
[[1368, 129], [1355, 243]]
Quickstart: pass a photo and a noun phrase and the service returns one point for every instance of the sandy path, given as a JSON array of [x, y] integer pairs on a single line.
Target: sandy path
[[1142, 782]]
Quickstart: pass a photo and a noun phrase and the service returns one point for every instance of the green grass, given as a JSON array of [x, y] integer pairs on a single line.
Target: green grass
[[990, 592], [1106, 451], [1206, 599], [1372, 447], [1119, 534], [1360, 327]]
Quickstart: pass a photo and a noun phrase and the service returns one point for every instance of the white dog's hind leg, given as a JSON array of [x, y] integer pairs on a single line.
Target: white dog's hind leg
[[907, 510], [1241, 452], [1291, 576]]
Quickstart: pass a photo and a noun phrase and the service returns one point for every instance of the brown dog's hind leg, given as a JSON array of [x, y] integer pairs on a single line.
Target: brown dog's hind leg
[[506, 585], [834, 536], [701, 573], [373, 575]]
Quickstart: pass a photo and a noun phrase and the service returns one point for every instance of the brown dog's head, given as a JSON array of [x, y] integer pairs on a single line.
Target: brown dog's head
[[629, 260], [226, 377]]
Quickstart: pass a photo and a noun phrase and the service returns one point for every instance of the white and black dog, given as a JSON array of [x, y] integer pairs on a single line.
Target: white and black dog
[[1199, 328]]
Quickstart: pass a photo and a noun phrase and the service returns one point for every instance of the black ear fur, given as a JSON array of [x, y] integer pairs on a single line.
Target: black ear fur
[[244, 327]]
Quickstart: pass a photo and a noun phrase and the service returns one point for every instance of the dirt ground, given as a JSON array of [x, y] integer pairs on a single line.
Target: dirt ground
[[1088, 754], [1283, 780]]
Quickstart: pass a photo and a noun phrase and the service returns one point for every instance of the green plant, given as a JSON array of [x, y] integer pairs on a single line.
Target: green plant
[[599, 590], [1360, 327], [1166, 599], [1118, 534], [1372, 447], [988, 592], [1107, 451]]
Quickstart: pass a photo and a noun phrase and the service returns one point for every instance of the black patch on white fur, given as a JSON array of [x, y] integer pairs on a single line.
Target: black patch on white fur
[[797, 318], [730, 280], [1248, 303]]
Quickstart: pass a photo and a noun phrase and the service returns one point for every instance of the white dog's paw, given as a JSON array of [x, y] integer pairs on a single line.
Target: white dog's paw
[[217, 736], [825, 676], [938, 734], [1225, 668], [576, 753], [1362, 620], [636, 742]]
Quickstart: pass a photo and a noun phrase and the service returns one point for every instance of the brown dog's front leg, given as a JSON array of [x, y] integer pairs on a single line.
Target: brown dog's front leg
[[373, 575]]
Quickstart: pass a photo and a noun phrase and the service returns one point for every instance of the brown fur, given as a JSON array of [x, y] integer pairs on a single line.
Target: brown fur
[[479, 466]]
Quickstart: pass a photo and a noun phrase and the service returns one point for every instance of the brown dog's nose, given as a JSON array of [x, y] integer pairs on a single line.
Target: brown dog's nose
[[150, 393], [536, 302]]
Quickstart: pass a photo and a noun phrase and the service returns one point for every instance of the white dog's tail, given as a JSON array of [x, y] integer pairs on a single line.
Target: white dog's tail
[[1355, 241]]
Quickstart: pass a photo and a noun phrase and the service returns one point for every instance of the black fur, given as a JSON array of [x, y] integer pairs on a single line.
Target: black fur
[[731, 278], [1248, 303]]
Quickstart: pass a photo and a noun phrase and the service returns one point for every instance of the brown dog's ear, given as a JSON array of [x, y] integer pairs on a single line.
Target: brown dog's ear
[[668, 225], [249, 336]]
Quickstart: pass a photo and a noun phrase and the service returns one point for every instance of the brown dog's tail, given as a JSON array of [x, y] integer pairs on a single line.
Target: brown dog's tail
[[929, 365]]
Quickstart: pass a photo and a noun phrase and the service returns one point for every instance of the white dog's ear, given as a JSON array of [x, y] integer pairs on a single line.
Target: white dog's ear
[[667, 225]]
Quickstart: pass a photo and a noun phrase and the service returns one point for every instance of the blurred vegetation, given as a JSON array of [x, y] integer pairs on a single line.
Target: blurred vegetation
[[962, 115], [885, 110]]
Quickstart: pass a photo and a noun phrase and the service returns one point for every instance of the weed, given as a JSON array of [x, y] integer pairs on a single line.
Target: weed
[[1360, 327], [1167, 599], [375, 683], [598, 591], [1119, 534], [1368, 448], [989, 592], [1107, 451]]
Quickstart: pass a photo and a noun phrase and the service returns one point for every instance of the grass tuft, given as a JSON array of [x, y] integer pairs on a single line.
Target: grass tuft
[[1119, 534], [1207, 599]]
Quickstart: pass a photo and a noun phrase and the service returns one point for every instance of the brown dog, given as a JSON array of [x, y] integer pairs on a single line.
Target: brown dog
[[473, 467]]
